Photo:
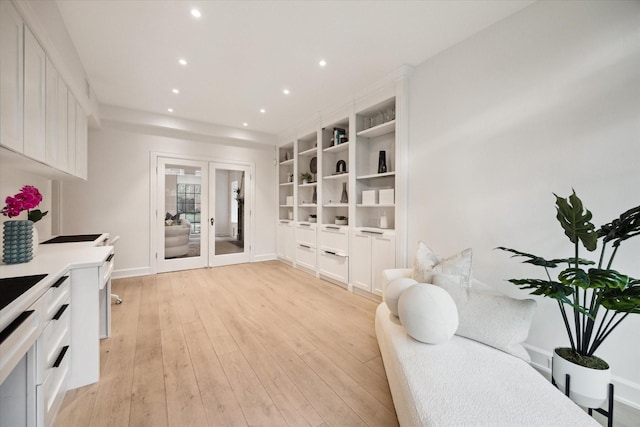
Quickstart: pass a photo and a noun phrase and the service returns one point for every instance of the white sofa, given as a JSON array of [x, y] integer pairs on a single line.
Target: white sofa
[[176, 239], [466, 383]]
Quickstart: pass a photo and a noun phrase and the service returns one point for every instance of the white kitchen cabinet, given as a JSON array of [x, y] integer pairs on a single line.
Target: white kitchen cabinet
[[61, 127], [306, 256], [51, 115], [306, 238], [372, 252], [334, 265], [35, 63], [81, 146], [71, 133], [285, 242], [11, 77]]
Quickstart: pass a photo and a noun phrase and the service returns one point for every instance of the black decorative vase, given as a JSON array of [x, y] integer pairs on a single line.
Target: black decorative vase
[[382, 162]]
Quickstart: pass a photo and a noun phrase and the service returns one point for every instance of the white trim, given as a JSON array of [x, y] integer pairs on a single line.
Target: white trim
[[131, 272], [265, 257], [626, 392]]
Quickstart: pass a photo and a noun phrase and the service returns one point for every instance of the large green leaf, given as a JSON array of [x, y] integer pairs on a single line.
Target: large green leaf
[[551, 263], [551, 289], [594, 279], [576, 221], [574, 277], [625, 301], [622, 228]]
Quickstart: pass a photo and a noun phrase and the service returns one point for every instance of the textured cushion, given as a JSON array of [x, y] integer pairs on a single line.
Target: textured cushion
[[428, 313], [490, 317], [393, 291], [427, 262]]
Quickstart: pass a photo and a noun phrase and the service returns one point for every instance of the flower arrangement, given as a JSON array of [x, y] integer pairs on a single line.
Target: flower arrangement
[[26, 200]]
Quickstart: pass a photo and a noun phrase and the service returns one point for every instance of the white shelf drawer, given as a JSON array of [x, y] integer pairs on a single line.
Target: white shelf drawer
[[54, 337], [334, 239], [306, 257], [306, 234], [334, 266], [55, 296], [51, 392]]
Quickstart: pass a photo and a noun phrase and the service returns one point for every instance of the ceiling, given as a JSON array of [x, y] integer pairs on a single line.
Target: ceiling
[[241, 55]]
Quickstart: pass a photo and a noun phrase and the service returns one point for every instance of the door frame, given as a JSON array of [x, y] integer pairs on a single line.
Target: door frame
[[153, 200]]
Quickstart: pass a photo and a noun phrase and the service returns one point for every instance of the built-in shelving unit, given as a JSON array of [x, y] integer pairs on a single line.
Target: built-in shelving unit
[[286, 175], [344, 222]]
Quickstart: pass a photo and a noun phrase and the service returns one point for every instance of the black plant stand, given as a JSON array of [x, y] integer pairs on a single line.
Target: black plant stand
[[608, 414]]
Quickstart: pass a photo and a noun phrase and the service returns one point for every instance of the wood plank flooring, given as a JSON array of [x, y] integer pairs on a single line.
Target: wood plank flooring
[[253, 344]]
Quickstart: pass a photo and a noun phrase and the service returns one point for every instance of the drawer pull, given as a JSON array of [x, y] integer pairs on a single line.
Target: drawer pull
[[335, 254], [110, 257], [59, 282], [304, 246], [58, 361], [58, 315], [332, 227], [15, 325], [380, 233], [302, 224]]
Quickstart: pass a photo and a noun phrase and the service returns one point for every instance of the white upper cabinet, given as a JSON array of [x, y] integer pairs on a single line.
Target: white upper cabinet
[[71, 133], [61, 128], [11, 75], [51, 138], [34, 98], [81, 148]]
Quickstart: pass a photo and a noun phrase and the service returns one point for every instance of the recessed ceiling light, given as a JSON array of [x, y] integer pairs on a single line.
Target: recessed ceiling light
[[322, 63], [262, 110], [195, 13], [182, 61], [176, 91], [286, 91], [245, 124], [170, 110]]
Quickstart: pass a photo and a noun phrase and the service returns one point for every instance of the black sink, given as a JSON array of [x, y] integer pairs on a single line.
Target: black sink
[[73, 238], [12, 287]]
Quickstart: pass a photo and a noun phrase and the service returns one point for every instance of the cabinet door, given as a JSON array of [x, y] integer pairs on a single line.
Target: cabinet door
[[34, 97], [51, 125], [71, 133], [81, 142], [383, 256], [289, 245], [11, 75], [361, 261], [62, 113]]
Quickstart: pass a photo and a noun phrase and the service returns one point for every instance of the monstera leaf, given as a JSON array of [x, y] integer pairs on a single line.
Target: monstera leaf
[[622, 228], [551, 289], [624, 301], [539, 261], [576, 221]]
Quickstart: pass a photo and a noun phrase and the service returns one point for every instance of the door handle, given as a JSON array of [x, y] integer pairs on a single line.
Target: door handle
[[212, 221]]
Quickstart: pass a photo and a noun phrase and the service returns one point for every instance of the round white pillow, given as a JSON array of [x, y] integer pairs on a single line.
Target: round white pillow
[[428, 313], [393, 291]]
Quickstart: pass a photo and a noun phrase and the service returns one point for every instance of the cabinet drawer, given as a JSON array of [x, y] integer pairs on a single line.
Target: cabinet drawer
[[54, 337], [51, 392], [57, 294], [306, 234], [334, 266], [334, 239], [306, 257]]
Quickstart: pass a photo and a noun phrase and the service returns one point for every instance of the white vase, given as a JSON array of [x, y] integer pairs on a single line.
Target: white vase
[[588, 387], [35, 240]]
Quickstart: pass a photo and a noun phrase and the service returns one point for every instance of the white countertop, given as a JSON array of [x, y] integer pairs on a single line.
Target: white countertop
[[54, 260]]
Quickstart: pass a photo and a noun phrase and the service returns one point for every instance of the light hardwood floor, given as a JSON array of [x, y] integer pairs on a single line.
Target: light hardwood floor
[[254, 344]]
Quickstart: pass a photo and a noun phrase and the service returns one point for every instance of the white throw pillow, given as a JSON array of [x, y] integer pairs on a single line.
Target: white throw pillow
[[428, 313], [427, 262], [489, 317], [393, 291]]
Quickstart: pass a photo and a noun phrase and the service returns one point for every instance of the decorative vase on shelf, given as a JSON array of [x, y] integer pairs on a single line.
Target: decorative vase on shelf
[[17, 239], [314, 198], [345, 197], [382, 162]]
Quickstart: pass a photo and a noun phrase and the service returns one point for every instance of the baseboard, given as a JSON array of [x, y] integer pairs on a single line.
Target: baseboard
[[131, 272], [626, 392], [264, 257]]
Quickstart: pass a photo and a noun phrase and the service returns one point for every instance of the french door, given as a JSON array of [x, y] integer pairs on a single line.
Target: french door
[[203, 215]]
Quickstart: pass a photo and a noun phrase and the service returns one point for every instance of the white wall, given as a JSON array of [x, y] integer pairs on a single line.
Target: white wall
[[116, 197], [545, 101]]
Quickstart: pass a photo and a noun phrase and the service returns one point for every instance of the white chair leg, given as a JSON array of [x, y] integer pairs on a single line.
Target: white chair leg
[[117, 298]]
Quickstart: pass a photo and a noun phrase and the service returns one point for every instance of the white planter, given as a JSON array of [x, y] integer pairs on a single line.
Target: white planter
[[588, 387]]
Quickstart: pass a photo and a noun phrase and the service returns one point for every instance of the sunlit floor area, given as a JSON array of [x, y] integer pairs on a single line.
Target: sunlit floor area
[[228, 245]]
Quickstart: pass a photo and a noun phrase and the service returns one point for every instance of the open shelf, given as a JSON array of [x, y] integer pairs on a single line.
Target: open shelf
[[337, 148], [310, 184], [337, 176], [309, 152], [377, 175], [336, 205], [383, 129], [284, 184], [286, 162]]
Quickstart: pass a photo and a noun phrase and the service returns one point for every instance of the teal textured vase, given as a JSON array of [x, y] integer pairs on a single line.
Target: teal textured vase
[[17, 239]]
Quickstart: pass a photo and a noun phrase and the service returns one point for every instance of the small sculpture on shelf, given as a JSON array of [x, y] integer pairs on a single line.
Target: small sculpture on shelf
[[345, 196], [382, 162], [341, 167]]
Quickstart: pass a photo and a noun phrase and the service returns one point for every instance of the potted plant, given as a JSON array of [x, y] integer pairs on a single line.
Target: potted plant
[[305, 177], [593, 301]]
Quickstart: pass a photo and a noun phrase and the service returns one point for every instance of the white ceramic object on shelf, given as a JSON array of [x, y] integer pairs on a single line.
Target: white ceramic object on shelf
[[588, 387], [35, 241]]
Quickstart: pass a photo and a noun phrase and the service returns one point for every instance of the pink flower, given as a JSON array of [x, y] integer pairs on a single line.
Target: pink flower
[[28, 198]]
